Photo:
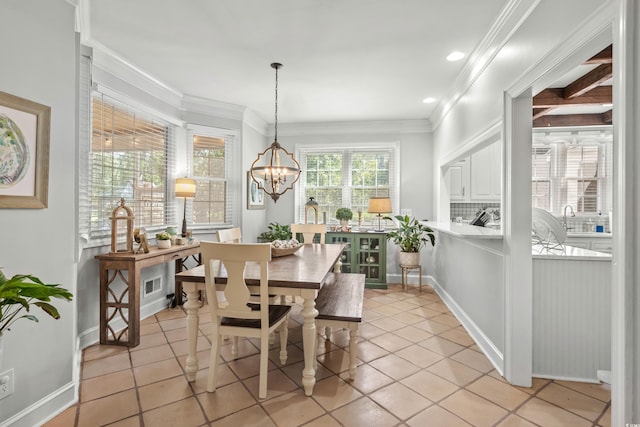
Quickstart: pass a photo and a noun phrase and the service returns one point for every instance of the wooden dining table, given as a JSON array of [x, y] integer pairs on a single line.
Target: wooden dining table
[[300, 274]]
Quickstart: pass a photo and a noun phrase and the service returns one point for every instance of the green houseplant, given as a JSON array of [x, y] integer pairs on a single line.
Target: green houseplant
[[23, 291], [344, 215], [164, 239], [410, 236], [275, 231]]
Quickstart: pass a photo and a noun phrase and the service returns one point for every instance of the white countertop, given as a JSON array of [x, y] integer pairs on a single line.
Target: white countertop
[[464, 230], [589, 234], [569, 253]]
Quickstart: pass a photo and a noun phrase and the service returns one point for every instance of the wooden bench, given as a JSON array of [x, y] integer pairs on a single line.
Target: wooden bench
[[339, 305]]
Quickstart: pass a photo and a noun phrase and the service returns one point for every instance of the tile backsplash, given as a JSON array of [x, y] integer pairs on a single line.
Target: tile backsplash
[[468, 211]]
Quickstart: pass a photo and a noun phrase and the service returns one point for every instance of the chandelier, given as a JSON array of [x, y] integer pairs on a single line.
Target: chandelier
[[275, 170]]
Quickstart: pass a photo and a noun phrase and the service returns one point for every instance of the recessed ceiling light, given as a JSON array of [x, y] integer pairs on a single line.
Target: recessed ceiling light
[[455, 56], [429, 100]]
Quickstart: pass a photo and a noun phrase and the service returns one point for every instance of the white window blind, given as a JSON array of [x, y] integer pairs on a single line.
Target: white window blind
[[347, 177], [128, 154], [213, 168], [572, 168]]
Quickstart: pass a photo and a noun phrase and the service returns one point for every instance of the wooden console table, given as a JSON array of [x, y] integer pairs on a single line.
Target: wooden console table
[[126, 305]]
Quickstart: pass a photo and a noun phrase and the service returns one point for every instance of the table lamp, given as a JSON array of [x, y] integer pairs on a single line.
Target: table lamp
[[379, 205], [185, 187]]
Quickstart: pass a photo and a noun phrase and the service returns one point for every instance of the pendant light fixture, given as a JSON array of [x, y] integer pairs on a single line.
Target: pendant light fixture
[[275, 170]]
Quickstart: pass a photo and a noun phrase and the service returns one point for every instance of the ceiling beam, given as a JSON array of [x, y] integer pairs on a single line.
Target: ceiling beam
[[605, 56], [573, 120], [550, 98], [539, 112], [589, 81]]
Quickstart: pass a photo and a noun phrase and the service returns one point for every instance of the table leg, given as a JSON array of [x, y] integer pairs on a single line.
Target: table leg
[[309, 314], [191, 306]]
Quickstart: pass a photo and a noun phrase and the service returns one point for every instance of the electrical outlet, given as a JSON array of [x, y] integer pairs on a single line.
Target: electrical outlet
[[6, 383]]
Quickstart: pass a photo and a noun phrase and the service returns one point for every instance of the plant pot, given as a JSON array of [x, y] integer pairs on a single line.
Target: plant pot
[[164, 244], [409, 258], [344, 224]]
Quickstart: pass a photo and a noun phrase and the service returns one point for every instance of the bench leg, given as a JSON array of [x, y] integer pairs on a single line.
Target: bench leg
[[353, 345]]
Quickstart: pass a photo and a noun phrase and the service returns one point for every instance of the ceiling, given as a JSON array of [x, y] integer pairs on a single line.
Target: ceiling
[[348, 60]]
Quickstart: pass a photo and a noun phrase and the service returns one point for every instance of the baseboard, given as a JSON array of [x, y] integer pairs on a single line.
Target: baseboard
[[45, 409], [494, 355], [565, 378]]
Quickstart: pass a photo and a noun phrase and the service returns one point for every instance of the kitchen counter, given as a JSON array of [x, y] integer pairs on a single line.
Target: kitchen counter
[[588, 234], [464, 230], [569, 253]]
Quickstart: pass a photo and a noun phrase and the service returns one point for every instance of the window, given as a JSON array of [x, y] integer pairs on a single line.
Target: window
[[129, 156], [213, 169], [572, 168], [346, 177]]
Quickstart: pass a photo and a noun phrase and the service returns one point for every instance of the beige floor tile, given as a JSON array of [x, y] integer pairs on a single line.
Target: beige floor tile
[[164, 392], [99, 351], [368, 331], [430, 386], [367, 351], [473, 409], [388, 310], [364, 412], [105, 365], [134, 421], [544, 413], [388, 324], [536, 383], [152, 354], [323, 421], [439, 306], [394, 366], [578, 403], [390, 342], [245, 348], [435, 416], [292, 409], [184, 413], [104, 385], [413, 334], [454, 372], [432, 327], [473, 359], [333, 392], [400, 400], [180, 347], [151, 328], [367, 379], [152, 340], [218, 404], [369, 303], [157, 371], [515, 421], [336, 361], [424, 312], [404, 305], [248, 366], [598, 391], [277, 383], [458, 337], [605, 420], [371, 315], [441, 346], [225, 376], [498, 392], [447, 319], [170, 324], [419, 356], [179, 334], [294, 372], [108, 409], [171, 313], [383, 299], [65, 419], [253, 416]]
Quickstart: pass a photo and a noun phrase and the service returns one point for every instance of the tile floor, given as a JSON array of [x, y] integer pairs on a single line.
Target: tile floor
[[417, 367]]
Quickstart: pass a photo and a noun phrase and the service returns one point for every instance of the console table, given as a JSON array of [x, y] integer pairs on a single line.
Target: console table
[[118, 304]]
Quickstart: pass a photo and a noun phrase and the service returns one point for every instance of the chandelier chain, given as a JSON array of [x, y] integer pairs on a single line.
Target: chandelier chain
[[276, 109]]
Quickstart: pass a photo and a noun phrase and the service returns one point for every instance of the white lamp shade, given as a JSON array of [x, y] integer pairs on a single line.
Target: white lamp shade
[[185, 187]]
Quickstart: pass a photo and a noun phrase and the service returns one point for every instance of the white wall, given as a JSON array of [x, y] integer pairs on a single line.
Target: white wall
[[253, 221], [39, 47]]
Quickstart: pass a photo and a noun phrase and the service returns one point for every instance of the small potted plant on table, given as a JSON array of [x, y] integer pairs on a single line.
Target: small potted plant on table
[[344, 215], [164, 240]]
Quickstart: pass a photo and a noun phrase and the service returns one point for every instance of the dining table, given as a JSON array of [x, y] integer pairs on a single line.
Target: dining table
[[301, 274]]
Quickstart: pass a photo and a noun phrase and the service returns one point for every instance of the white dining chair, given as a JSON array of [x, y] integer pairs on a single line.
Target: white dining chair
[[309, 231], [239, 317], [230, 235]]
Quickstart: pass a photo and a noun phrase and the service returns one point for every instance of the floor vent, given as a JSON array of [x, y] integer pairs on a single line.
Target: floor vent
[[152, 286]]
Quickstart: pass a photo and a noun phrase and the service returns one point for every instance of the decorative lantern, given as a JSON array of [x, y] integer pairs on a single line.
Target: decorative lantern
[[121, 217], [311, 204]]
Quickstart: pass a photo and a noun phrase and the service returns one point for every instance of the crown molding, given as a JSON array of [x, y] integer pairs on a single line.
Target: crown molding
[[196, 104], [347, 128], [512, 16], [254, 121]]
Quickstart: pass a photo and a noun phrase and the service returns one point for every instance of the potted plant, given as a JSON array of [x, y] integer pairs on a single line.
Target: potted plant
[[164, 240], [21, 292], [410, 236], [275, 231], [344, 215]]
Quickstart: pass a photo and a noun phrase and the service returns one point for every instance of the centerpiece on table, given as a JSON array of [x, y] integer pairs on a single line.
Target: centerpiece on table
[[164, 240]]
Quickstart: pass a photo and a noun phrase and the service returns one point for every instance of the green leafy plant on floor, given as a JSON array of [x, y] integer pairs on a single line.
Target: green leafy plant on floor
[[23, 291], [275, 231], [411, 235]]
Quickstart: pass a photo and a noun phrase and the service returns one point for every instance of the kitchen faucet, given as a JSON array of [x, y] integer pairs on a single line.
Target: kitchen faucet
[[564, 215]]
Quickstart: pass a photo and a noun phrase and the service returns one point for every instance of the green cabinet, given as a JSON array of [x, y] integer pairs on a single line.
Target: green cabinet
[[364, 253]]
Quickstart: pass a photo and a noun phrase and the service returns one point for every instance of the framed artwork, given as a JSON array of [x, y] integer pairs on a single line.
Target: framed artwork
[[24, 152], [255, 195]]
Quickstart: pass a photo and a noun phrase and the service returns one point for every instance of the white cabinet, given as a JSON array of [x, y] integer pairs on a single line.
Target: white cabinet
[[459, 181], [486, 173], [586, 241]]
